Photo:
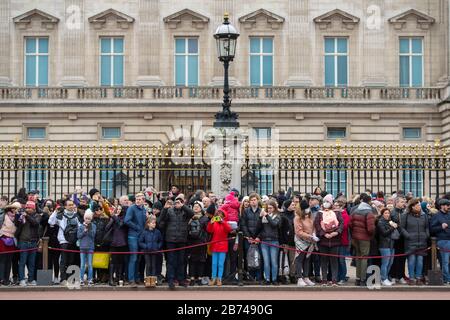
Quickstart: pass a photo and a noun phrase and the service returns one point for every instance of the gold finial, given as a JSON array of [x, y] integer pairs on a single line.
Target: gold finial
[[114, 144], [437, 142], [226, 16]]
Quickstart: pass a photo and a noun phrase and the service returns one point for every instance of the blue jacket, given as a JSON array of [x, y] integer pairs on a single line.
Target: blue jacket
[[87, 238], [436, 226], [135, 220], [150, 240]]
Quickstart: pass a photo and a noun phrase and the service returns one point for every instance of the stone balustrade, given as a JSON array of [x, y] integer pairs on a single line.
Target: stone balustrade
[[216, 93]]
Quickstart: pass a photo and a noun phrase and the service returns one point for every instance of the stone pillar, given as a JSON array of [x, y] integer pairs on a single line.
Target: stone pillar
[[373, 34], [149, 43], [300, 38], [226, 154], [73, 48], [5, 43]]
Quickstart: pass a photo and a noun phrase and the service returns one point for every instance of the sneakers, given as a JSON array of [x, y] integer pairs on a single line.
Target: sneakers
[[393, 280], [301, 283], [33, 283], [309, 282], [82, 283], [340, 283], [90, 283], [324, 283], [171, 285], [402, 281], [334, 284], [386, 283], [63, 283], [56, 281], [133, 284], [22, 283]]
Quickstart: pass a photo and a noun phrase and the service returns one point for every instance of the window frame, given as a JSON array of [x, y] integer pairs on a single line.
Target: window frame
[[186, 55], [36, 54], [410, 54], [102, 127], [412, 139], [336, 54], [111, 54], [261, 54], [336, 127], [31, 126]]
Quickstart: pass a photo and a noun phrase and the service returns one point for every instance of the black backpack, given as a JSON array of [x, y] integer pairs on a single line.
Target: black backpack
[[195, 229], [71, 230]]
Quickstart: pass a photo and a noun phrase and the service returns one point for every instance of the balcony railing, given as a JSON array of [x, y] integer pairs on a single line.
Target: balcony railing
[[216, 93]]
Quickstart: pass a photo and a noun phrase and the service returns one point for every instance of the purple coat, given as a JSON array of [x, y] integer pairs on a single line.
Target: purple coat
[[120, 231]]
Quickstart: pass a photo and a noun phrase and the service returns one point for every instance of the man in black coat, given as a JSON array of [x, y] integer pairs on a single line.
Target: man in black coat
[[175, 222], [287, 233]]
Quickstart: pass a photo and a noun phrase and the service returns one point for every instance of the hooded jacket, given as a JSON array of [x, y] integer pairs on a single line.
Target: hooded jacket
[[175, 223], [436, 226], [362, 222], [415, 229], [219, 233], [231, 208]]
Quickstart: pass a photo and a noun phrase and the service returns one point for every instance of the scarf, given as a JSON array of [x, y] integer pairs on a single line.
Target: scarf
[[272, 215]]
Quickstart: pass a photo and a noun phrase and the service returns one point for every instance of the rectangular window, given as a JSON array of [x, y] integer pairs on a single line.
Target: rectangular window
[[412, 133], [336, 62], [413, 181], [36, 133], [336, 133], [36, 62], [336, 181], [411, 62], [263, 179], [186, 62], [106, 182], [36, 179], [111, 132], [111, 61], [262, 133], [261, 61]]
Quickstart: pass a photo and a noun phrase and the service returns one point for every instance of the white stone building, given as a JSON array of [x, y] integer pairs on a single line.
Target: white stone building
[[144, 71]]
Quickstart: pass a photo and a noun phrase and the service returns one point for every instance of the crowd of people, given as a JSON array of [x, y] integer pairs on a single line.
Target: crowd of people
[[288, 237]]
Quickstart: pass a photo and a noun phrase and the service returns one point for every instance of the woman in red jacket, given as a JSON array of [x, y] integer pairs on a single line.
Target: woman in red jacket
[[219, 230]]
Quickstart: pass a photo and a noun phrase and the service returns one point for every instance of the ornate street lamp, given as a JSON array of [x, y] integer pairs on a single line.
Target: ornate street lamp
[[226, 36]]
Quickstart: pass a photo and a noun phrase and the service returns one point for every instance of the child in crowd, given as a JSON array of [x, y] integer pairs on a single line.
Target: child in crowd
[[219, 246], [150, 240], [86, 237]]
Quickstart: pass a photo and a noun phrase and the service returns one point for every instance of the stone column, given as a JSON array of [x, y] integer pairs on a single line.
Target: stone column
[[226, 154], [149, 43], [5, 43], [299, 43], [373, 34], [73, 44]]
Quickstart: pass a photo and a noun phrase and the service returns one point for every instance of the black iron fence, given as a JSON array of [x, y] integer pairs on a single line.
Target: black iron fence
[[118, 170]]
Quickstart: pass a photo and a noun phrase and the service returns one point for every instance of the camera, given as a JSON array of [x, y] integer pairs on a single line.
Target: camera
[[216, 219]]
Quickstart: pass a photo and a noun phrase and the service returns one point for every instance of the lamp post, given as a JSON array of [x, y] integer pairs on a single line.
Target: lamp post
[[226, 36]]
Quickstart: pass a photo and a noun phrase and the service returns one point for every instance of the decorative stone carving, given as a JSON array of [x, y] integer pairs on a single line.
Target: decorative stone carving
[[99, 20], [423, 20], [199, 21], [348, 20], [48, 21], [249, 20]]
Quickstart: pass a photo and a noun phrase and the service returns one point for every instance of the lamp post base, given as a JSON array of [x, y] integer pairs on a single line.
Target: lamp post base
[[226, 120]]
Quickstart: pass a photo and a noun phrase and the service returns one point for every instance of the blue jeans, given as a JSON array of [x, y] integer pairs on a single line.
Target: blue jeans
[[386, 263], [133, 246], [84, 255], [444, 244], [270, 256], [27, 258], [218, 261], [415, 266], [342, 266]]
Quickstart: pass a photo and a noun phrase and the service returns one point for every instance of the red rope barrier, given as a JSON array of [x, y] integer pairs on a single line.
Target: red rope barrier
[[143, 252], [337, 255], [23, 250]]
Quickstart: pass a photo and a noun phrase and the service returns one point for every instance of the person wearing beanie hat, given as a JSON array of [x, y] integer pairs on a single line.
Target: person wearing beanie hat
[[93, 192], [287, 234], [157, 205], [328, 198], [176, 222], [27, 234], [211, 210], [304, 205]]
